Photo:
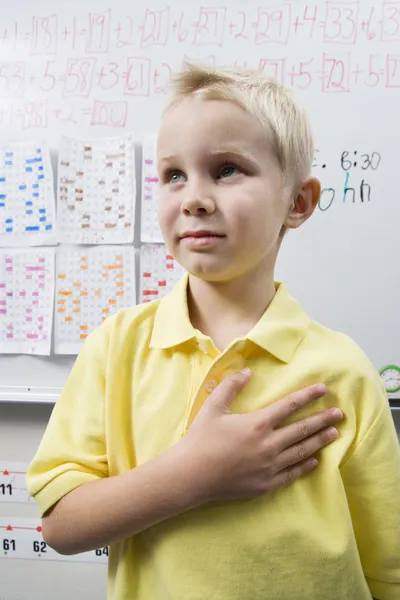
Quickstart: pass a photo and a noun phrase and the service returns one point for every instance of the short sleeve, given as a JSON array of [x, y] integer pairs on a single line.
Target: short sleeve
[[73, 448], [371, 476]]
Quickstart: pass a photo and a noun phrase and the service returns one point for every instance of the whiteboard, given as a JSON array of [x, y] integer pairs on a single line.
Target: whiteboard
[[94, 68]]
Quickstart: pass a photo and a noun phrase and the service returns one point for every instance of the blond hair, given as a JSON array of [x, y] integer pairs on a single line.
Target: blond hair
[[264, 98]]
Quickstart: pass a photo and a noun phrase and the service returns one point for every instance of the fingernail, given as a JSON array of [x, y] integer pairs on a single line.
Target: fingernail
[[321, 389], [336, 412], [246, 371], [312, 463], [332, 433]]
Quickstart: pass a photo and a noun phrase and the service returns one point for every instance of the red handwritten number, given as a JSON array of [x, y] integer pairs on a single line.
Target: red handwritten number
[[335, 78], [99, 32], [111, 75], [44, 35], [366, 25], [48, 77], [302, 79], [110, 114], [181, 32], [274, 67], [157, 73], [47, 38], [138, 77], [241, 32], [13, 77], [390, 21], [273, 25], [313, 19], [392, 71], [128, 40], [35, 115], [342, 19], [373, 76], [69, 118], [79, 77]]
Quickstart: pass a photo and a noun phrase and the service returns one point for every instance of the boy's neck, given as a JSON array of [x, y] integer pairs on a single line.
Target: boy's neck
[[225, 311]]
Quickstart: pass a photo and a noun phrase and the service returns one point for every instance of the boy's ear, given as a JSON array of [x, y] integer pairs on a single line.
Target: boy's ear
[[304, 204]]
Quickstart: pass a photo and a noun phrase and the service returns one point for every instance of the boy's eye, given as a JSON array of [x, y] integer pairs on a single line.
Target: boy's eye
[[175, 177], [228, 171]]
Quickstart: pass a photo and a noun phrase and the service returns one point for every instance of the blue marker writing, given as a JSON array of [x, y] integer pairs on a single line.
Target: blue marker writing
[[345, 185]]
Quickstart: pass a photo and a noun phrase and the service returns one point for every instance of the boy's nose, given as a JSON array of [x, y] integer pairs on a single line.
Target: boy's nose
[[198, 201]]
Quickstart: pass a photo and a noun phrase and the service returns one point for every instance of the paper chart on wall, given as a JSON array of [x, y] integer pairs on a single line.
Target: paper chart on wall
[[13, 482], [26, 300], [159, 272], [150, 229], [23, 539], [27, 203], [96, 191], [91, 285]]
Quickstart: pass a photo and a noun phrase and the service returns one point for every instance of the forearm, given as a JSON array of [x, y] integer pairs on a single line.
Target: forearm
[[105, 511]]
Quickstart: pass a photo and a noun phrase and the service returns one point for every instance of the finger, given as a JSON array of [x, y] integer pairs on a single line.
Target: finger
[[282, 409], [227, 390], [296, 432], [292, 473], [303, 450]]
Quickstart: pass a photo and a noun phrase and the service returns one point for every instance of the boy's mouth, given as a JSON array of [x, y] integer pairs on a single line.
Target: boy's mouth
[[201, 233], [201, 237]]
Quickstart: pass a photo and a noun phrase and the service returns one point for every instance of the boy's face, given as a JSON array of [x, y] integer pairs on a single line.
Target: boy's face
[[218, 175]]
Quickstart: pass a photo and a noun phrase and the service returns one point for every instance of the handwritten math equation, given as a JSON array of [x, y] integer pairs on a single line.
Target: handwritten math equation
[[88, 68]]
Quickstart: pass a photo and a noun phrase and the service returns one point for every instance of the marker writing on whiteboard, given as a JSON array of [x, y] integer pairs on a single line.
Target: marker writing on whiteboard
[[345, 186]]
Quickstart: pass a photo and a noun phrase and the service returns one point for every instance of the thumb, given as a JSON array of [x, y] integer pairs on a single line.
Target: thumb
[[223, 395]]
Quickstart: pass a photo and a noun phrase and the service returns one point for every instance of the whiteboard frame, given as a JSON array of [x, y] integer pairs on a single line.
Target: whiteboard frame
[[49, 395]]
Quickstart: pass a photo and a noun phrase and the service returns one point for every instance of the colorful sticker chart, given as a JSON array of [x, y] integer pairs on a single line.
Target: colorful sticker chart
[[96, 191], [91, 285], [26, 300], [150, 229], [27, 203], [159, 272], [23, 539]]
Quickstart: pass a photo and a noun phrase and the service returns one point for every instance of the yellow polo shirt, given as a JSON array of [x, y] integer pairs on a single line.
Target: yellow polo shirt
[[133, 392]]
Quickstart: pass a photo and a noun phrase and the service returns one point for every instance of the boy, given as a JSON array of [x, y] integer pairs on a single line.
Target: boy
[[168, 442]]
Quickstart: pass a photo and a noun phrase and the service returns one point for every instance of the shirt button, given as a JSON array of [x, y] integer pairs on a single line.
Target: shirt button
[[211, 385]]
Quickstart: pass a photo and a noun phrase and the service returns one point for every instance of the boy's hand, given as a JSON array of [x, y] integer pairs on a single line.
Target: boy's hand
[[245, 455]]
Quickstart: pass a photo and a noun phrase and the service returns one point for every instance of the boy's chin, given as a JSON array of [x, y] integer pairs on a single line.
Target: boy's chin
[[210, 273]]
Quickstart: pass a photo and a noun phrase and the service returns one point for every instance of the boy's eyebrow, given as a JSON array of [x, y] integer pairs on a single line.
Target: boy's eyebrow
[[234, 151]]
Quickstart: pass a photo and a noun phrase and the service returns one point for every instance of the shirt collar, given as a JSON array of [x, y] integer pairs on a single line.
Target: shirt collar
[[279, 331]]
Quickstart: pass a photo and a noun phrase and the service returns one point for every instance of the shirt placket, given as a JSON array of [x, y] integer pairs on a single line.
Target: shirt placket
[[210, 373]]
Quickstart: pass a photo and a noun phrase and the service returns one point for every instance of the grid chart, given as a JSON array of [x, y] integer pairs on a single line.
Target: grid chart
[[26, 300], [150, 229], [159, 272], [27, 203], [96, 191], [91, 285]]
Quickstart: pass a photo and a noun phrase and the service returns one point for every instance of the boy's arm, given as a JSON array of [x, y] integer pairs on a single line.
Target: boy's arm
[[371, 476], [245, 455]]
